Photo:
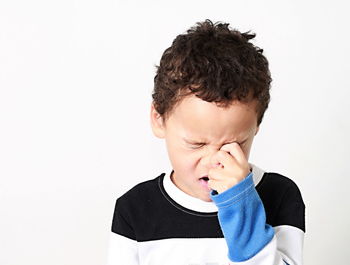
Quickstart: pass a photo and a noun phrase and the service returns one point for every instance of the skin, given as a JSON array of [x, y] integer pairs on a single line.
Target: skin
[[204, 139]]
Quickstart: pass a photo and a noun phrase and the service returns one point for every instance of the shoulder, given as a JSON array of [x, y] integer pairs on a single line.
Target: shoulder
[[273, 186], [273, 183], [141, 190], [282, 200], [140, 196], [135, 208]]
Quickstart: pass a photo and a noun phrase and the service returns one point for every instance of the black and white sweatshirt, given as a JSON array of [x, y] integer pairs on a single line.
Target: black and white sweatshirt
[[260, 220]]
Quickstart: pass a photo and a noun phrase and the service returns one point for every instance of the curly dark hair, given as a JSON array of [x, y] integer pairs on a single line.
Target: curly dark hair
[[217, 64]]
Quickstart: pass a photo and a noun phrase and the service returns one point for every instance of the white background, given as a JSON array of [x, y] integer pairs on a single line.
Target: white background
[[75, 89]]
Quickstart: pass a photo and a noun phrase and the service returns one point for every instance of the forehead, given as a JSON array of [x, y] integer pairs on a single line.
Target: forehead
[[194, 118]]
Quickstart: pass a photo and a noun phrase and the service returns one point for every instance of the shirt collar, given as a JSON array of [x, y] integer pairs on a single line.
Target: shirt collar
[[196, 204]]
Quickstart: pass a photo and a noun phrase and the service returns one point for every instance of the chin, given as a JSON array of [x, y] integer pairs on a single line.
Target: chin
[[206, 198]]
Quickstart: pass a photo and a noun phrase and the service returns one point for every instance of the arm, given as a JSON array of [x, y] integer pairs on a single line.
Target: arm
[[249, 239], [122, 247]]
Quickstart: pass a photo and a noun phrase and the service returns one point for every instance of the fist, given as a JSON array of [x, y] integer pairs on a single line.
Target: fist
[[229, 166]]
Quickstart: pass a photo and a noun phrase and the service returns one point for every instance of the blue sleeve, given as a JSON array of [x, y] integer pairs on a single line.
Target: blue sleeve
[[242, 219]]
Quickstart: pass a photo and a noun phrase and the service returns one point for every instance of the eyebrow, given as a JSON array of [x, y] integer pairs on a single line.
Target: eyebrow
[[202, 142]]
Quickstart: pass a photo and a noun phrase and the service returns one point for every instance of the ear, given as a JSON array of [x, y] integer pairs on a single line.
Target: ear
[[157, 124]]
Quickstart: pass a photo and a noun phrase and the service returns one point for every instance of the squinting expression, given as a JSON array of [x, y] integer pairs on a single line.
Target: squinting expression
[[196, 130]]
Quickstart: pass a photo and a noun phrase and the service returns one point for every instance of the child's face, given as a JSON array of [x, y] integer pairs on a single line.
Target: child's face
[[197, 129]]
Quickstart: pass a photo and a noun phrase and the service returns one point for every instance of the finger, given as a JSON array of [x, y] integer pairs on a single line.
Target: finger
[[214, 174], [236, 151], [222, 157], [219, 186]]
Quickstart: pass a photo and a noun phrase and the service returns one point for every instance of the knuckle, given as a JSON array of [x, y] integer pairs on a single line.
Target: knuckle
[[222, 154]]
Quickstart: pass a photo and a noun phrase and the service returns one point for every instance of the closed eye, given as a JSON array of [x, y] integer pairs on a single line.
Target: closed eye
[[196, 146]]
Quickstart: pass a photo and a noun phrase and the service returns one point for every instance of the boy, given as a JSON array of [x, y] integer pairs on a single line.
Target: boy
[[210, 94]]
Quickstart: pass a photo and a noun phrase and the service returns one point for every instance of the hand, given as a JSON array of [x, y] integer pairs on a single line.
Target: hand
[[230, 166]]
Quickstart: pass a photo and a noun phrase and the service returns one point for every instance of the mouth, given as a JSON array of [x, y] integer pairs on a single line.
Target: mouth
[[204, 183]]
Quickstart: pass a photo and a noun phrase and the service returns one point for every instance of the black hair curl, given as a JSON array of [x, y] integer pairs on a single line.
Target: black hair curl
[[217, 64]]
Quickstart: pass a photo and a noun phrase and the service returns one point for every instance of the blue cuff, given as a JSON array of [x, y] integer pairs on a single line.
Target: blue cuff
[[229, 196], [242, 220]]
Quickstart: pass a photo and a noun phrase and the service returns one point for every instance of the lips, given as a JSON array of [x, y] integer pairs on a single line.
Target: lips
[[205, 178], [204, 183]]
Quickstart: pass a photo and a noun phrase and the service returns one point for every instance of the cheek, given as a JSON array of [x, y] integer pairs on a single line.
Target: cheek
[[188, 159], [183, 159]]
